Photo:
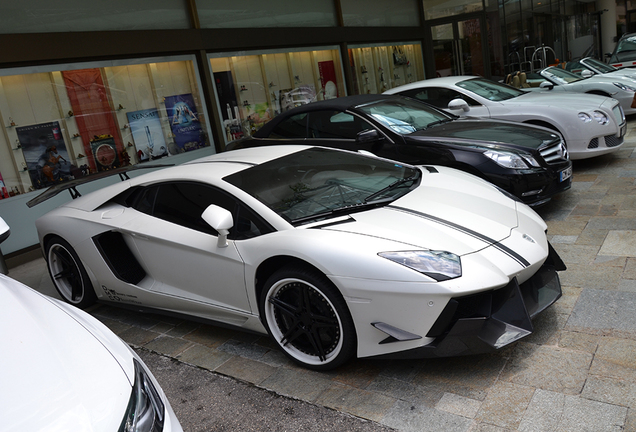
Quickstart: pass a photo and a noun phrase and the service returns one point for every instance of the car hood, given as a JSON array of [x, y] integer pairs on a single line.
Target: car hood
[[56, 375], [563, 100], [458, 212], [466, 132]]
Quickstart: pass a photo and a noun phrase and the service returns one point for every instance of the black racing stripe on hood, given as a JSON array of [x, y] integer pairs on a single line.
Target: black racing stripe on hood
[[512, 254]]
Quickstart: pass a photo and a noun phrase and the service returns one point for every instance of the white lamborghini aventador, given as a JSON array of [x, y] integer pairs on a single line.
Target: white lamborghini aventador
[[333, 253]]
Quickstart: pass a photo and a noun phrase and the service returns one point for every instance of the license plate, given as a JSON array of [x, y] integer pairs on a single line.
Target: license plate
[[622, 131], [565, 174]]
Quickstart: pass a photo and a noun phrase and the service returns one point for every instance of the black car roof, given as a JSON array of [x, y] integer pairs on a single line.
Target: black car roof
[[339, 104]]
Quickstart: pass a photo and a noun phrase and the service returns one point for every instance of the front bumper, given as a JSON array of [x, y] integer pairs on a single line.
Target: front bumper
[[484, 322]]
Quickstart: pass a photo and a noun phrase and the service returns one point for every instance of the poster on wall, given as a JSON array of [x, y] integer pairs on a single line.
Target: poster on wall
[[327, 72], [105, 153], [45, 154], [184, 122], [3, 189], [145, 127]]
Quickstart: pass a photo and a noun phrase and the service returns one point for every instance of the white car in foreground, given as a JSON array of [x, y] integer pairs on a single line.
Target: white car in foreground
[[335, 254], [62, 370], [591, 125], [620, 88]]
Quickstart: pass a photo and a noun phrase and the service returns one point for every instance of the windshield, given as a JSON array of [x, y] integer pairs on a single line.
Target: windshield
[[318, 183], [626, 45], [598, 65], [405, 116], [560, 76], [489, 89]]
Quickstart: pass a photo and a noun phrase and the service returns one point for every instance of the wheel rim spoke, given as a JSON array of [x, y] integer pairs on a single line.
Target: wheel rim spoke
[[306, 320]]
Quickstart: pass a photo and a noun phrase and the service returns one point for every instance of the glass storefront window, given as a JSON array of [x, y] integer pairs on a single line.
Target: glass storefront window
[[376, 69], [252, 88], [250, 14], [434, 9], [376, 13], [44, 16], [64, 123]]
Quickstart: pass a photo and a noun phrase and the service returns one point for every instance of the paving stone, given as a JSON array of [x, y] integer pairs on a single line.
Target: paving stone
[[564, 239], [243, 349], [245, 369], [628, 285], [404, 417], [302, 384], [183, 328], [630, 423], [362, 403], [619, 243], [404, 370], [544, 412], [505, 404], [547, 327], [565, 228], [418, 395], [604, 310], [579, 341], [611, 391], [357, 374], [459, 405], [612, 223], [466, 376], [630, 269], [213, 336], [548, 368], [590, 276], [137, 336], [576, 254], [205, 357], [619, 351], [568, 299], [581, 414], [168, 345], [115, 326]]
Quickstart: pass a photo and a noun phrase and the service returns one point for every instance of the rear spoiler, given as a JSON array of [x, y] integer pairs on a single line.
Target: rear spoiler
[[71, 185]]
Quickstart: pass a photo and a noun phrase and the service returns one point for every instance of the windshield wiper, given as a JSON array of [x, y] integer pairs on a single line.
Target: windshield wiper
[[396, 184], [438, 122], [352, 208]]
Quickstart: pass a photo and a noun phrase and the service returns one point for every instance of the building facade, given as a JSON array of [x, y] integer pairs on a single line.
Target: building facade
[[90, 86]]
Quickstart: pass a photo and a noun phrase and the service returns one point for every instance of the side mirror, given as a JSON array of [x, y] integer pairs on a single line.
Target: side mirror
[[219, 219], [586, 73], [4, 233], [546, 85], [458, 104], [4, 230], [368, 135]]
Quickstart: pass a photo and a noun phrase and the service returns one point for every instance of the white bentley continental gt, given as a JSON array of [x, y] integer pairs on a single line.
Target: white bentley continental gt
[[591, 125], [335, 254], [62, 370]]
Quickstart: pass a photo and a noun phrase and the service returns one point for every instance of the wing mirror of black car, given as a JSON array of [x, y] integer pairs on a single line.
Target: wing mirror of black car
[[546, 85], [458, 104], [368, 135], [221, 220]]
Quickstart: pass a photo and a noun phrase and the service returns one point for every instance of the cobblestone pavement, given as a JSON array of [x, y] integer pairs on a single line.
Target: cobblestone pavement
[[577, 372]]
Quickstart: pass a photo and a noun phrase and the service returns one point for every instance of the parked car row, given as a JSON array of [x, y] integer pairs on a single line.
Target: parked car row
[[370, 226]]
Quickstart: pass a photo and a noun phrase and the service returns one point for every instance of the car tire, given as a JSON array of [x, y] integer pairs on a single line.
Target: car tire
[[68, 274], [308, 318]]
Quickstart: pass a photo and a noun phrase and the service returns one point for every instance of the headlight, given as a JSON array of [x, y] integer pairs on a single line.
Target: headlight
[[145, 412], [511, 160], [600, 117], [625, 87], [584, 117], [438, 265]]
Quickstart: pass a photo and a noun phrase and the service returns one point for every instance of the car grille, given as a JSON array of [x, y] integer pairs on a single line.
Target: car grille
[[613, 141], [554, 153], [610, 141]]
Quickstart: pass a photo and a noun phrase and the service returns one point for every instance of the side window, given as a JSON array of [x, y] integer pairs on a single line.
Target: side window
[[182, 203], [439, 96], [335, 125], [293, 127]]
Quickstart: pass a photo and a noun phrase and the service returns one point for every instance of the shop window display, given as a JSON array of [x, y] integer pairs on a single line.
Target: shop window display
[[376, 69], [252, 89], [67, 124]]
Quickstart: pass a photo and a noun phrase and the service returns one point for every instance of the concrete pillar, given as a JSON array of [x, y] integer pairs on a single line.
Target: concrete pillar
[[608, 25]]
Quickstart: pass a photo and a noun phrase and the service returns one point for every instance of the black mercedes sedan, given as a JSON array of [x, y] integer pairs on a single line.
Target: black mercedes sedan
[[529, 162]]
